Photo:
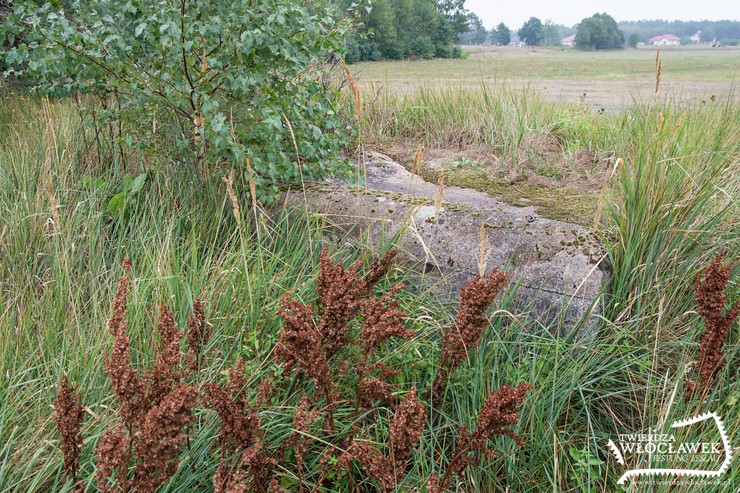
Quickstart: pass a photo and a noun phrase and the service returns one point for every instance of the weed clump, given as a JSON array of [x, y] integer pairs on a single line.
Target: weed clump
[[352, 424], [718, 318], [68, 416]]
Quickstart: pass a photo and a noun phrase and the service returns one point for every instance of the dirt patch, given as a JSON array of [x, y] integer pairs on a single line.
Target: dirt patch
[[563, 185], [540, 160]]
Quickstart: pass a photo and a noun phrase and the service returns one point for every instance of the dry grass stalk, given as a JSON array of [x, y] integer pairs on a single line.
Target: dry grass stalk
[[54, 206], [418, 160], [229, 180], [484, 251], [68, 416], [602, 195], [658, 69], [440, 194], [356, 94], [252, 187], [718, 318]]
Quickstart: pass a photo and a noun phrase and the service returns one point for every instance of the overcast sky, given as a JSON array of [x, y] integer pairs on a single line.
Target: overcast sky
[[514, 13]]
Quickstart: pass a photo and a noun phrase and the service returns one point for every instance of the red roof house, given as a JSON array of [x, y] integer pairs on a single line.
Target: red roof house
[[665, 40]]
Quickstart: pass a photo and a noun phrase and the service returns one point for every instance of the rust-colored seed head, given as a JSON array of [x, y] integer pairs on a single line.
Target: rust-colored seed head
[[475, 300], [500, 411], [229, 481], [382, 320], [112, 455], [161, 437], [406, 427], [710, 294], [198, 335], [68, 415], [301, 343], [125, 380], [119, 303], [239, 428]]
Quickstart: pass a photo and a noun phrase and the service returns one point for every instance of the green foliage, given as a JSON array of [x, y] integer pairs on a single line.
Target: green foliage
[[202, 82], [599, 32], [586, 468], [397, 29], [127, 192], [531, 32], [476, 33], [502, 35], [633, 40]]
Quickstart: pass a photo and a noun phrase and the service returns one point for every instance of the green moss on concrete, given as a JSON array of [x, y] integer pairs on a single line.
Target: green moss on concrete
[[562, 204]]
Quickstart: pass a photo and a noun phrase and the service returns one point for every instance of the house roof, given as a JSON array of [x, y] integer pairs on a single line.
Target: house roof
[[569, 39], [667, 37]]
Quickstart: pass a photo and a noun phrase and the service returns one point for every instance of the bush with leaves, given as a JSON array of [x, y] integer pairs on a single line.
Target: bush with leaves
[[206, 82]]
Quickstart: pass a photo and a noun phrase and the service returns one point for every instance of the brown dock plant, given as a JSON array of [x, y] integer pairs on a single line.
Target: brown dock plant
[[475, 298], [68, 416], [718, 318]]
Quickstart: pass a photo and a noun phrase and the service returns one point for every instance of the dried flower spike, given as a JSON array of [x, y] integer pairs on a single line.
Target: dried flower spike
[[475, 300], [198, 335], [161, 437], [710, 294], [68, 415]]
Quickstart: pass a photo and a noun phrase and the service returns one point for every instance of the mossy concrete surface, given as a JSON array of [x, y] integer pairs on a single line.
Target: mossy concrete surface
[[556, 268], [561, 204]]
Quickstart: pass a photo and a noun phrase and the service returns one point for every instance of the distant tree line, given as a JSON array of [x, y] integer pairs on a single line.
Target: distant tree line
[[726, 31], [398, 29], [538, 33], [599, 31]]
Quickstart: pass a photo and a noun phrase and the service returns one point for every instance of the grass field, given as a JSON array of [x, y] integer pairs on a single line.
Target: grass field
[[611, 80], [666, 209]]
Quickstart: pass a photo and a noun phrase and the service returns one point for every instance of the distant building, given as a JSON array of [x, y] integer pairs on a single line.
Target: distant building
[[516, 41], [696, 38], [665, 40], [569, 41]]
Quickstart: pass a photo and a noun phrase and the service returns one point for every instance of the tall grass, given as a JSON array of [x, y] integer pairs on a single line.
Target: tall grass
[[670, 209], [496, 117]]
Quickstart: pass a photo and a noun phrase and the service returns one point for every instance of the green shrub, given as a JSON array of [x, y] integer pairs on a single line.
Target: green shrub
[[198, 82]]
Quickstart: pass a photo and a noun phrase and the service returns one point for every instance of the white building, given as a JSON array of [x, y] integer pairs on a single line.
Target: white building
[[665, 40]]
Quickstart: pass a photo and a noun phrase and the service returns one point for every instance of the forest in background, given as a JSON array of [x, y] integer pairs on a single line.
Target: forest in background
[[725, 31]]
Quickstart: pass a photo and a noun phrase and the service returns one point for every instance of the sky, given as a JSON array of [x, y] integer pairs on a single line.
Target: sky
[[514, 13]]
